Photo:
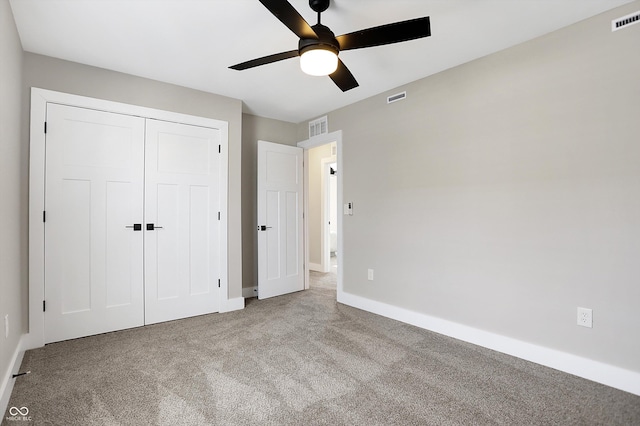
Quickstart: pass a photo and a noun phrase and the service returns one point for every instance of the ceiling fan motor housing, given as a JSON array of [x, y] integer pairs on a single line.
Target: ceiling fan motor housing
[[319, 5], [326, 40]]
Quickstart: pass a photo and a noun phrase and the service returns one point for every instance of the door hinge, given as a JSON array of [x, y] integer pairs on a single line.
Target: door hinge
[[44, 306], [219, 149], [218, 215], [44, 215], [218, 282], [45, 127]]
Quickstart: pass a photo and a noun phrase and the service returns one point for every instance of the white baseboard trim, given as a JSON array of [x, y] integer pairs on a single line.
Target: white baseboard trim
[[6, 387], [606, 374], [249, 292], [315, 267], [232, 305]]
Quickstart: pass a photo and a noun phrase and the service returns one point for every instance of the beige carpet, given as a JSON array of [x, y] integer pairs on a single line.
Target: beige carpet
[[300, 359]]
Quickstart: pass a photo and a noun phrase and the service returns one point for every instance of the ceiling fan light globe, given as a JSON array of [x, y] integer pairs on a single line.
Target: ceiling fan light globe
[[318, 62]]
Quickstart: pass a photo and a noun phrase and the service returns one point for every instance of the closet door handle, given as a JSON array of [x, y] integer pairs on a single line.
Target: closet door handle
[[135, 226], [151, 227], [263, 227]]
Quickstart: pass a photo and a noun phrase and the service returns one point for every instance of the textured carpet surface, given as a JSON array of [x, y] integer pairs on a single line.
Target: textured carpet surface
[[300, 359]]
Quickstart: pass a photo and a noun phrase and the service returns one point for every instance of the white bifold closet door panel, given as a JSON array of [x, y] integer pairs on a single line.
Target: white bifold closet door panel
[[94, 194], [182, 252], [132, 230]]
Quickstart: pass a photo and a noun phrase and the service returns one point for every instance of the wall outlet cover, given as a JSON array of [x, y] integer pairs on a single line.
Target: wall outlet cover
[[585, 317]]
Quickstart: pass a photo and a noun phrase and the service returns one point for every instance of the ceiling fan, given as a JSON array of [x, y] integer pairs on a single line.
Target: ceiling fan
[[318, 47]]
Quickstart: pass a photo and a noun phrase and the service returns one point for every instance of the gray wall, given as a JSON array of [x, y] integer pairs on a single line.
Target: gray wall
[[69, 77], [253, 129], [504, 193], [13, 222]]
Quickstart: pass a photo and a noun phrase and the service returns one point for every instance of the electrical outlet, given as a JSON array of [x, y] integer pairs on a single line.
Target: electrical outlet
[[370, 274], [585, 317], [6, 326]]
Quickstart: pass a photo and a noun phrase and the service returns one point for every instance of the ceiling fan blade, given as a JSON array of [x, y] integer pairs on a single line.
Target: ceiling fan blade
[[265, 60], [343, 78], [289, 16], [386, 34]]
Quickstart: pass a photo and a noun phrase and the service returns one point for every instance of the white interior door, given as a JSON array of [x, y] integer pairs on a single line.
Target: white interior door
[[93, 198], [280, 225], [182, 252]]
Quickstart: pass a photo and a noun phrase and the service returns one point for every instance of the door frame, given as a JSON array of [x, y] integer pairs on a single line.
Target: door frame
[[39, 100], [306, 145]]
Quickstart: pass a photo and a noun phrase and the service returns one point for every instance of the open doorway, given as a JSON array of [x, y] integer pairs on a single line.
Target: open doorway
[[322, 215], [322, 204], [323, 223], [331, 219]]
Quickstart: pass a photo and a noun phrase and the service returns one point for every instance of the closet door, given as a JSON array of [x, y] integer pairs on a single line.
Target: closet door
[[93, 198], [182, 232]]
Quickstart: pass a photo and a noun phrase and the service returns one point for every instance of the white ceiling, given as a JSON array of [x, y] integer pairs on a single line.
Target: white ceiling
[[193, 42]]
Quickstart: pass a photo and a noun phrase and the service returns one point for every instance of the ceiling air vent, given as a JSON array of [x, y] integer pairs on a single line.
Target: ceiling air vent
[[318, 126], [625, 21], [397, 97]]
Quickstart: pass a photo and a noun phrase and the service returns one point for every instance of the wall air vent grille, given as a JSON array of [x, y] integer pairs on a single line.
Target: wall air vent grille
[[397, 97], [625, 21], [318, 126]]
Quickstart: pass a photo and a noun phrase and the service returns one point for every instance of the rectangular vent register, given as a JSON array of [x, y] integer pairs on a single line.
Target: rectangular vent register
[[625, 21], [397, 97], [318, 126]]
